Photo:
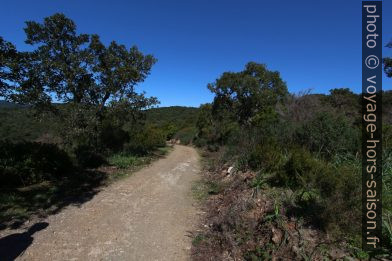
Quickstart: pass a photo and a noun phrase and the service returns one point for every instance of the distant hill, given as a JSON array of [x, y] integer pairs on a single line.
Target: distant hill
[[177, 120], [177, 115], [18, 123]]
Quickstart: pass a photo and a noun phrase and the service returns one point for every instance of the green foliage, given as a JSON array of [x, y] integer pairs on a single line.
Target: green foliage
[[87, 157], [267, 157], [328, 193], [307, 145], [177, 116], [329, 134], [112, 138], [213, 131], [19, 123], [387, 227], [77, 68], [123, 161], [239, 96], [94, 83], [260, 253], [345, 101], [176, 122], [186, 135], [204, 124], [301, 170], [387, 186], [27, 163], [341, 194], [145, 140], [388, 62], [8, 55]]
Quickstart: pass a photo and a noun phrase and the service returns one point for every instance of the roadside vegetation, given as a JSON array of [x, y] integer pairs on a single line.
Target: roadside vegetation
[[289, 171]]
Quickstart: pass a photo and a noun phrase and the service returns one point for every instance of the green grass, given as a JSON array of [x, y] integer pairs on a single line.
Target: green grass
[[128, 164], [164, 150], [125, 161]]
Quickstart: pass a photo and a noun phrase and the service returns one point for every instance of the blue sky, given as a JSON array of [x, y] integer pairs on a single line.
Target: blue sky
[[314, 44]]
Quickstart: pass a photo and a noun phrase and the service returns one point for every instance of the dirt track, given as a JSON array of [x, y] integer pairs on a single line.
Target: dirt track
[[147, 216]]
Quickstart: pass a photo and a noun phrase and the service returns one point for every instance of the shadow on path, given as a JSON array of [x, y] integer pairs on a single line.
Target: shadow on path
[[14, 245], [19, 205]]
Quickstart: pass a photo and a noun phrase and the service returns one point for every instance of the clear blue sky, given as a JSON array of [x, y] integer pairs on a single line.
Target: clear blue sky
[[314, 44]]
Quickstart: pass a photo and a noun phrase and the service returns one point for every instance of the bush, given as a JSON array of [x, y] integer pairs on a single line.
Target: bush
[[27, 163], [199, 142], [145, 140], [341, 191], [300, 170], [113, 138], [329, 134], [267, 157], [87, 157], [328, 195]]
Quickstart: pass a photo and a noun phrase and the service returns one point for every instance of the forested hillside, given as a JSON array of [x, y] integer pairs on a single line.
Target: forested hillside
[[178, 116], [20, 123], [178, 122]]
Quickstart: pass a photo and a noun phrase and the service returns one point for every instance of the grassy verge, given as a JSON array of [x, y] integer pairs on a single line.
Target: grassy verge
[[20, 204]]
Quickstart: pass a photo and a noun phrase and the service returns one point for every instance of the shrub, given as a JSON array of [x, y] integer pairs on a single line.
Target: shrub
[[328, 195], [27, 163], [300, 170], [145, 140], [341, 191], [267, 157], [88, 157], [199, 142], [329, 134], [113, 138]]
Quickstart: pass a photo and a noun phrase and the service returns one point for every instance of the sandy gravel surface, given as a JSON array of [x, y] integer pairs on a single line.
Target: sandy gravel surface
[[147, 216]]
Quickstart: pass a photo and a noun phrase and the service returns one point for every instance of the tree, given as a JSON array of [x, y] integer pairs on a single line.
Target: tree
[[388, 62], [59, 66], [117, 71], [82, 74], [244, 94], [8, 55], [345, 101], [78, 68], [387, 95]]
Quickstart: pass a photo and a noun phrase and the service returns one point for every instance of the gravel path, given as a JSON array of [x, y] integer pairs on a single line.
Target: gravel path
[[147, 216]]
